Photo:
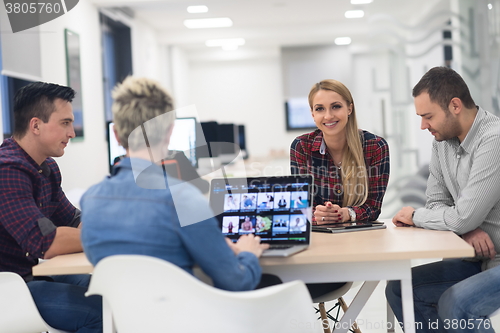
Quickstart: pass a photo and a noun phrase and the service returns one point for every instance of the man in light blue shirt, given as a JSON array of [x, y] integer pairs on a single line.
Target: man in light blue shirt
[[463, 195], [139, 209]]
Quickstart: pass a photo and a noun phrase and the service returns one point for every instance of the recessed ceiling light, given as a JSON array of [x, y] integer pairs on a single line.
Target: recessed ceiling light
[[360, 2], [343, 40], [354, 13], [218, 22], [225, 42], [490, 6], [197, 9]]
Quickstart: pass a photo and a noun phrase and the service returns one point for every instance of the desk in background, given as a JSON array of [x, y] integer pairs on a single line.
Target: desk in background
[[370, 256]]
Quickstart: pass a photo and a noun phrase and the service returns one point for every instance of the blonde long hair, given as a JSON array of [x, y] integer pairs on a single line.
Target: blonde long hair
[[354, 173]]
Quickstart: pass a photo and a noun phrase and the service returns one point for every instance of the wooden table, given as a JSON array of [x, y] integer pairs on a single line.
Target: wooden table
[[369, 256], [76, 263]]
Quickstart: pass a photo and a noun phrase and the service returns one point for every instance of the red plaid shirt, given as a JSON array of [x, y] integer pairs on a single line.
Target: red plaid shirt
[[32, 205], [306, 157]]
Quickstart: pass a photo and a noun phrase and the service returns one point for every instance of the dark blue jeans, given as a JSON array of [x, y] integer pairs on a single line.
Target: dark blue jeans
[[429, 283], [63, 305]]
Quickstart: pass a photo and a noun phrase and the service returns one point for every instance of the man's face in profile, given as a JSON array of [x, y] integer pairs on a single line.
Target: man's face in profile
[[55, 134], [442, 124]]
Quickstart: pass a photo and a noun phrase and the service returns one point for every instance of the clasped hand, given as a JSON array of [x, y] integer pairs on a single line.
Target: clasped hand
[[404, 218], [330, 213]]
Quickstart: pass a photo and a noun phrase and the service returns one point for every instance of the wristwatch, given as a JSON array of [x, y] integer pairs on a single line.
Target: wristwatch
[[352, 214]]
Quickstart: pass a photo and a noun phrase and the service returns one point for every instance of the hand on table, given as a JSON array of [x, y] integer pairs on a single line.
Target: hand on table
[[404, 218], [481, 242], [249, 243], [330, 213]]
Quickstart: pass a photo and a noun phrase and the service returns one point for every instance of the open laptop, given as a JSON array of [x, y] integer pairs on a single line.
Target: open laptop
[[278, 209]]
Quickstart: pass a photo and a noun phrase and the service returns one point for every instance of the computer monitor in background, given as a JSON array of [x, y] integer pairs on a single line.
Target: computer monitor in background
[[183, 139], [229, 135], [242, 140], [207, 135], [298, 114]]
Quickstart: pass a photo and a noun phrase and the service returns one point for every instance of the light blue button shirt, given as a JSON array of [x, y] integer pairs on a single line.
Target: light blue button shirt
[[121, 217]]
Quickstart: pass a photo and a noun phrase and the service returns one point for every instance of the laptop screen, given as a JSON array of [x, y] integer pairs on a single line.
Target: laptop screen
[[277, 209]]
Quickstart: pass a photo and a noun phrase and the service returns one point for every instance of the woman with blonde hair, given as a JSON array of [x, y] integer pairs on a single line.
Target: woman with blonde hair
[[350, 166]]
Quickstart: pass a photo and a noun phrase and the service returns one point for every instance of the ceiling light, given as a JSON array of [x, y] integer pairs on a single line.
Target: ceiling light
[[360, 2], [343, 40], [197, 9], [225, 42], [354, 13], [229, 47], [490, 6], [219, 22]]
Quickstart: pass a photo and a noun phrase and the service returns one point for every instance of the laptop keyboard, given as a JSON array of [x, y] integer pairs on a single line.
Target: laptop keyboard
[[279, 247]]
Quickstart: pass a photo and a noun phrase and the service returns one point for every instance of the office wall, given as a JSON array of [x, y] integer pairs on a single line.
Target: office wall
[[421, 140], [148, 56], [423, 55], [303, 66], [252, 91], [364, 74], [370, 88], [248, 92], [180, 78], [84, 162]]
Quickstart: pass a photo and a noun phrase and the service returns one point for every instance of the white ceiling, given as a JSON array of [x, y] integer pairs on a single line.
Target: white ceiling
[[274, 23]]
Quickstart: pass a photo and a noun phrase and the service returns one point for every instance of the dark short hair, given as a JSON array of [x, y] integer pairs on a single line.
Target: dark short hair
[[37, 100], [443, 84]]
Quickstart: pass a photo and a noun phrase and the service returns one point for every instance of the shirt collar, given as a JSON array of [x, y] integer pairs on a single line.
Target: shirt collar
[[318, 142], [322, 148], [42, 169], [137, 165], [468, 142], [45, 169]]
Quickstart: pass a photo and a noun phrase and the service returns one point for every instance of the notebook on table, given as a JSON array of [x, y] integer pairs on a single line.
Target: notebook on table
[[278, 209], [348, 226]]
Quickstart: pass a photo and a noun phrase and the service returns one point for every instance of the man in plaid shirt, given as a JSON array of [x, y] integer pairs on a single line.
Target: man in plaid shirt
[[36, 219]]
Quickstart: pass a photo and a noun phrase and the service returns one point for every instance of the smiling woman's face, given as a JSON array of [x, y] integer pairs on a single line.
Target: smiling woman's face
[[330, 112]]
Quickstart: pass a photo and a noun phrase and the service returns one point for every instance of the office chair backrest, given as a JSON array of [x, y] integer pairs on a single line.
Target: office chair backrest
[[147, 294], [18, 312]]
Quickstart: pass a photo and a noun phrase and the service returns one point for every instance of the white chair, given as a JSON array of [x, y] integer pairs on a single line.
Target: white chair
[[148, 294], [340, 304], [495, 320], [18, 312]]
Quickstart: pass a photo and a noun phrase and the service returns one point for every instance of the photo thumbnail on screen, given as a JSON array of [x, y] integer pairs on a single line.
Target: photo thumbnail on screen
[[282, 200], [247, 224]]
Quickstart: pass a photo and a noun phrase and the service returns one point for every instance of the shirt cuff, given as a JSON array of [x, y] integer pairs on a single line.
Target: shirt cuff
[[75, 222], [428, 219]]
